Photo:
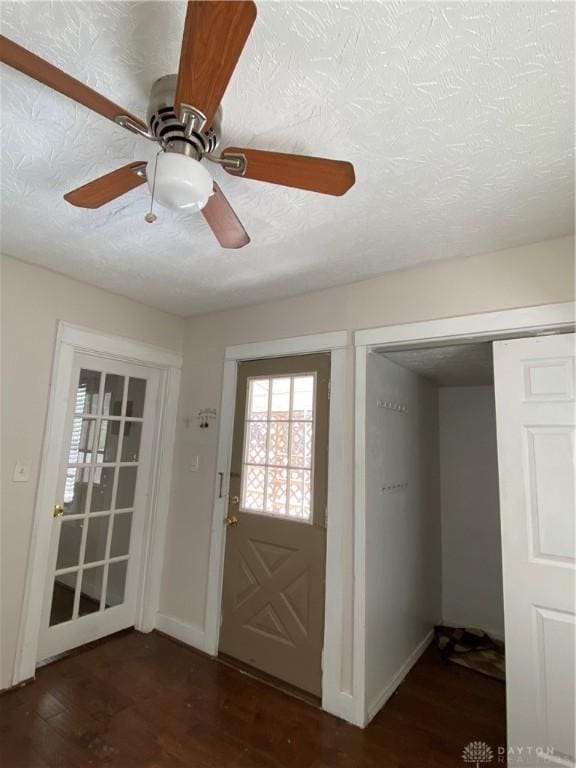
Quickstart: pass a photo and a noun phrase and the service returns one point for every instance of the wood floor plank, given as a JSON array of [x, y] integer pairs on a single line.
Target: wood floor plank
[[144, 701]]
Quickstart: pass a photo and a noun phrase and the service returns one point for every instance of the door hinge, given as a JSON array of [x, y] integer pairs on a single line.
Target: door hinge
[[329, 388]]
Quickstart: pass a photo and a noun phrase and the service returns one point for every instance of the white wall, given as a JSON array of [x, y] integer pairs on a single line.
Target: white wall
[[538, 274], [403, 550], [32, 302], [471, 549], [33, 299]]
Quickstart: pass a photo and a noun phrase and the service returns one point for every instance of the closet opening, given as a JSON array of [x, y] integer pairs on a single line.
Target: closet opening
[[434, 556]]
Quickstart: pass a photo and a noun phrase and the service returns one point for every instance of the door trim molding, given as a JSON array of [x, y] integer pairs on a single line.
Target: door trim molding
[[129, 350], [336, 698], [69, 340], [295, 345], [487, 326]]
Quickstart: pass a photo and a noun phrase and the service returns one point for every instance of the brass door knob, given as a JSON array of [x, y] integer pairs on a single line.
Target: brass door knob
[[57, 510], [231, 520], [235, 500]]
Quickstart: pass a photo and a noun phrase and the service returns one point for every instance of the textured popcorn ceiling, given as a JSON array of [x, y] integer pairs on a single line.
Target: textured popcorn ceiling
[[464, 365], [457, 116]]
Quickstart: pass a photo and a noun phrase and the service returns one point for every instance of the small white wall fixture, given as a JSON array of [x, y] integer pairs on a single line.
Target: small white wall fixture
[[489, 326], [335, 696], [71, 339]]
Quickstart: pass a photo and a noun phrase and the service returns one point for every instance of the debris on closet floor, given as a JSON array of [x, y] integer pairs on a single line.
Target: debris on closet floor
[[472, 648]]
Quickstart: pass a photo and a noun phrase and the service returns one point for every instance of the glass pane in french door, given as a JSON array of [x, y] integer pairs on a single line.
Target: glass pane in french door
[[93, 550]]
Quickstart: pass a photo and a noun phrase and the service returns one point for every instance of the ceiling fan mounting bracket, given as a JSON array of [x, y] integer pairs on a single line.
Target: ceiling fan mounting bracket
[[234, 162], [192, 119], [131, 125], [139, 170]]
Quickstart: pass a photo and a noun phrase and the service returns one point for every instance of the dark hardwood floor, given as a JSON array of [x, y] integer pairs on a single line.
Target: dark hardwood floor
[[144, 701]]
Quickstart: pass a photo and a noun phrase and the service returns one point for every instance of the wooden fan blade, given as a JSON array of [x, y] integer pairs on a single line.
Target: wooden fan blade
[[222, 220], [215, 32], [107, 188], [24, 61], [330, 177]]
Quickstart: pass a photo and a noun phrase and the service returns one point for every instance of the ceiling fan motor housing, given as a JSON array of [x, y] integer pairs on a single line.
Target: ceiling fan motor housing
[[165, 124]]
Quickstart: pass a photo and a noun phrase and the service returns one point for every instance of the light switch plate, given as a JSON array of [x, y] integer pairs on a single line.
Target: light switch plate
[[21, 473]]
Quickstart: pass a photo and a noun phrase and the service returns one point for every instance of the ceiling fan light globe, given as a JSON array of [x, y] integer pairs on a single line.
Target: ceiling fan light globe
[[182, 183]]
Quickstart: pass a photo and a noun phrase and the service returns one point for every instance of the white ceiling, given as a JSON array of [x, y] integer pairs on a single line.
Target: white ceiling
[[457, 116], [464, 365]]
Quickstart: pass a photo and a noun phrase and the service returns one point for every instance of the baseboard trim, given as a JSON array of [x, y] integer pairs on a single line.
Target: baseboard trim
[[378, 702], [189, 634]]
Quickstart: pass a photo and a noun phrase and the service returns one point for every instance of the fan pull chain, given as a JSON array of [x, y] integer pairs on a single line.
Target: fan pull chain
[[151, 216]]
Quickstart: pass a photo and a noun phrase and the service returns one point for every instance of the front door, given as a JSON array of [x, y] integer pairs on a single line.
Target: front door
[[274, 567], [535, 411], [99, 513]]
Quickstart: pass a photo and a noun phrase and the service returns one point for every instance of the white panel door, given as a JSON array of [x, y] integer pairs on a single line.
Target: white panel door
[[98, 522], [535, 411]]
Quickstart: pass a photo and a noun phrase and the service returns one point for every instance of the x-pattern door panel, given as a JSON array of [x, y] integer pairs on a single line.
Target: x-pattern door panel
[[274, 572]]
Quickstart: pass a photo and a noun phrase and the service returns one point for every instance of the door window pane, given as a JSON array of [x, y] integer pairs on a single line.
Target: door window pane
[[126, 487], [303, 397], [62, 606], [116, 583], [280, 405], [91, 590], [107, 450], [102, 487], [136, 397], [96, 539], [113, 395], [253, 488], [276, 491], [131, 441], [301, 444], [256, 439], [279, 446], [76, 490], [121, 534], [82, 441], [299, 496], [87, 392], [258, 390], [69, 544]]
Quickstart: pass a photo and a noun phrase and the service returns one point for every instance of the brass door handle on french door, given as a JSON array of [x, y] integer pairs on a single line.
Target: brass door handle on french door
[[231, 520], [57, 510]]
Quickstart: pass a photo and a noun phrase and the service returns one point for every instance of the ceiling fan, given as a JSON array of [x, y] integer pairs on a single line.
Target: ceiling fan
[[184, 119]]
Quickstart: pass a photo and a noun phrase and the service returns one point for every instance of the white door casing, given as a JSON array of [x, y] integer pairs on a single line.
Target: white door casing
[[535, 412]]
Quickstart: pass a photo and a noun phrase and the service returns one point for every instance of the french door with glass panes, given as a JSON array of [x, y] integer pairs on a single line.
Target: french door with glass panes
[[99, 514]]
